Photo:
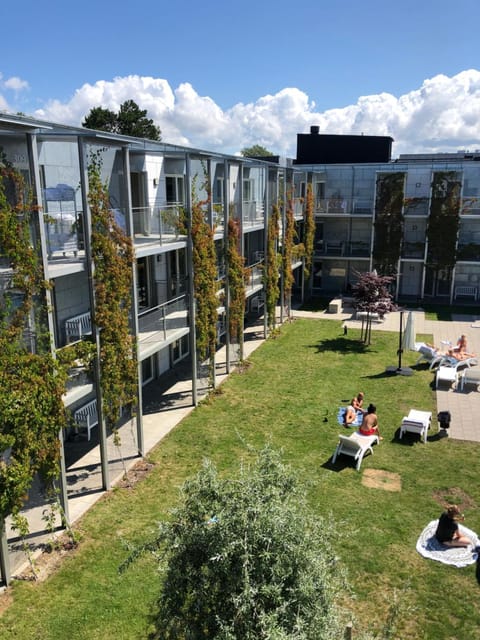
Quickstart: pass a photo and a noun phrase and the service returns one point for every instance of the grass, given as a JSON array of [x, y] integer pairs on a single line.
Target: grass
[[289, 395]]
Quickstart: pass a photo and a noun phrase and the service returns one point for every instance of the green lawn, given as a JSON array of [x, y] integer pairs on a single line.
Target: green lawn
[[289, 395]]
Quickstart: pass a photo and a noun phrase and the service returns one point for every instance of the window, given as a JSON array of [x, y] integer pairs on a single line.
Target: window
[[175, 189]]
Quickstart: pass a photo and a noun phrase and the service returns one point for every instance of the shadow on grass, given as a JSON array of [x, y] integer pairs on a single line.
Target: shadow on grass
[[341, 463], [410, 439], [342, 345]]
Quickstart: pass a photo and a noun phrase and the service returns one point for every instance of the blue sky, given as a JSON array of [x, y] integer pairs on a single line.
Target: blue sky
[[222, 75]]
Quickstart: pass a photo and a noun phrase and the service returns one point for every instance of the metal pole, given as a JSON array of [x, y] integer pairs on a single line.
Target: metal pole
[[4, 558], [400, 350]]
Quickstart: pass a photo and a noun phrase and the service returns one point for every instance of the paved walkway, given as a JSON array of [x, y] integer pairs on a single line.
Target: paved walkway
[[463, 405]]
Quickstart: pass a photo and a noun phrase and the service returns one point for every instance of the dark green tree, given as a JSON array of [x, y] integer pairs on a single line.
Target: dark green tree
[[244, 558], [101, 119], [256, 151], [129, 121]]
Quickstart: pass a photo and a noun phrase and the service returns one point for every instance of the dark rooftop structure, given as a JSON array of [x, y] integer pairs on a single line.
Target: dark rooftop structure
[[320, 148]]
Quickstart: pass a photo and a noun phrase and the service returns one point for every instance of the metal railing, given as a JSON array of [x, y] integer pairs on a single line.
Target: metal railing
[[166, 318]]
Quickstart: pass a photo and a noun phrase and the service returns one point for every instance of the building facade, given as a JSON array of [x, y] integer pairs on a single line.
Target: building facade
[[416, 217], [151, 188]]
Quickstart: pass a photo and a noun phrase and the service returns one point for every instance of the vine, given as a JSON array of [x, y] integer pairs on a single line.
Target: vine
[[204, 278], [444, 220], [237, 276], [389, 220], [309, 219], [31, 380], [112, 255], [287, 256], [270, 270]]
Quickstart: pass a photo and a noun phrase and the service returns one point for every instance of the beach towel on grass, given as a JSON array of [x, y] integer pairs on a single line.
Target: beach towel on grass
[[341, 418], [429, 547]]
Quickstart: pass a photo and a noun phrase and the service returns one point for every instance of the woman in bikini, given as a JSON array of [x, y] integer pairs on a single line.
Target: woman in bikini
[[353, 407], [369, 426]]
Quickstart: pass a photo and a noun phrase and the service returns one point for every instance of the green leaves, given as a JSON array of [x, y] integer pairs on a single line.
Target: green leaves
[[245, 558]]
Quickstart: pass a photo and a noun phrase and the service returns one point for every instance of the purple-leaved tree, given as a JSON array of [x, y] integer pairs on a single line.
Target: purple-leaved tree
[[371, 294]]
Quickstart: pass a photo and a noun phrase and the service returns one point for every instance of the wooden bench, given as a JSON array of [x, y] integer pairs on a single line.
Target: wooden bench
[[466, 292], [87, 416], [78, 326]]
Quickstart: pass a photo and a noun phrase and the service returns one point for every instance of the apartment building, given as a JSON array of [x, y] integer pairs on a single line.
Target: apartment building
[[416, 217], [150, 187]]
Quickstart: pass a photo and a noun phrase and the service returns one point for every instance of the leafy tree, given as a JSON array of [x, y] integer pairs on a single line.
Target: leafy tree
[[130, 121], [244, 558], [256, 151], [372, 295], [101, 119]]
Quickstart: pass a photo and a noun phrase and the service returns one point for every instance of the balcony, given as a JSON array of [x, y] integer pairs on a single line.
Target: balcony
[[413, 250], [468, 252], [470, 207], [252, 213], [416, 206], [162, 324], [64, 236], [255, 279], [158, 225], [339, 205]]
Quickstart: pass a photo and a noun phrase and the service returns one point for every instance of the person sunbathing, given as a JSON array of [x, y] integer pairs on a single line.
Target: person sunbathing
[[459, 351], [369, 426], [448, 532], [352, 409]]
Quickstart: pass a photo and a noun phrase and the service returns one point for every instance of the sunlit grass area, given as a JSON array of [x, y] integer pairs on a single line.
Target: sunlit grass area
[[288, 395]]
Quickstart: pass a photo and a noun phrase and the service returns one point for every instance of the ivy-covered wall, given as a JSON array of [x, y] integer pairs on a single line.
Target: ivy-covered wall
[[389, 221]]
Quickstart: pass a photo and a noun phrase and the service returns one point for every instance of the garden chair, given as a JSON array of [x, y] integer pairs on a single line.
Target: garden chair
[[429, 354], [416, 422], [450, 368], [355, 446]]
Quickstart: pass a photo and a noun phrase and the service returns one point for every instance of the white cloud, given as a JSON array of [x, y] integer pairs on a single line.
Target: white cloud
[[15, 84], [441, 115]]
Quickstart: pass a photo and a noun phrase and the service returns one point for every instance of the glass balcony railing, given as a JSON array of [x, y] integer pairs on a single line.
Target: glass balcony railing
[[253, 213], [64, 235], [163, 224], [255, 279], [414, 250], [468, 252], [163, 321], [416, 206], [470, 207], [340, 205]]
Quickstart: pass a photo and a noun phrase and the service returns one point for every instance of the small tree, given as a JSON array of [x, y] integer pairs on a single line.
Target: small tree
[[244, 558], [371, 294], [270, 270], [256, 151]]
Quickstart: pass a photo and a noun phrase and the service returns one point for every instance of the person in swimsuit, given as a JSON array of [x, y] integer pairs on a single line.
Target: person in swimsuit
[[459, 352], [353, 407], [369, 426], [448, 532]]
